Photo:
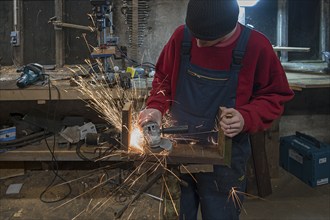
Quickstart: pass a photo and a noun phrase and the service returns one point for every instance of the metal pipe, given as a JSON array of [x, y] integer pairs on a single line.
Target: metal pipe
[[324, 27], [283, 27], [75, 26], [15, 14]]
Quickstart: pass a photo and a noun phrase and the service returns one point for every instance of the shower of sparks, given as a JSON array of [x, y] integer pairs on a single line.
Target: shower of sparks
[[137, 140], [171, 198], [108, 101], [233, 195]]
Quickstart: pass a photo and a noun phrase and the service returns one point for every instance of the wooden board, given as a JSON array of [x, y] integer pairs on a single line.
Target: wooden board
[[61, 90], [184, 154], [126, 125], [181, 154], [304, 80]]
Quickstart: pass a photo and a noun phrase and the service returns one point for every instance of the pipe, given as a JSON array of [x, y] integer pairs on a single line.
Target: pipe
[[15, 14], [75, 26], [283, 27], [324, 27]]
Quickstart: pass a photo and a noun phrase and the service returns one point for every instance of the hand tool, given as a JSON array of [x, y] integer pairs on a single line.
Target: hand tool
[[152, 134]]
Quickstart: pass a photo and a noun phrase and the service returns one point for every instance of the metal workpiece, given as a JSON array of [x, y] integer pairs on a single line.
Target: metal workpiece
[[224, 143]]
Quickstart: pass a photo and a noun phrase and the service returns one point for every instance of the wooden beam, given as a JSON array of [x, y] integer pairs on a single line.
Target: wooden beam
[[181, 153], [261, 164], [184, 154]]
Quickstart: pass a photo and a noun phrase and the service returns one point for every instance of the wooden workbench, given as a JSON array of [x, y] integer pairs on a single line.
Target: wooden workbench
[[63, 91], [299, 81]]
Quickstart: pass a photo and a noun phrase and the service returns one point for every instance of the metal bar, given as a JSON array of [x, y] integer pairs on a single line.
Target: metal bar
[[324, 26], [75, 26], [283, 27], [292, 49]]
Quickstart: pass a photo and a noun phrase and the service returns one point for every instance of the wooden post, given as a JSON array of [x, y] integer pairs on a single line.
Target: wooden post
[[260, 163], [126, 125], [272, 145]]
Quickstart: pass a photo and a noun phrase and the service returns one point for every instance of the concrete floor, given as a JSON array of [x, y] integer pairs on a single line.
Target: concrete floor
[[291, 200]]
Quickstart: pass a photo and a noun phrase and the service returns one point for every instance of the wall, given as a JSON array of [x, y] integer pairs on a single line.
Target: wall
[[164, 17], [309, 113], [6, 24]]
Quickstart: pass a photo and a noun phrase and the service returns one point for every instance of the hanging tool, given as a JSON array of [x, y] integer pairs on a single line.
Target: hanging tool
[[152, 134]]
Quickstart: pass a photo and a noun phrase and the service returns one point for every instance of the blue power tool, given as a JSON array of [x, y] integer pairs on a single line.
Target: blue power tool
[[31, 73]]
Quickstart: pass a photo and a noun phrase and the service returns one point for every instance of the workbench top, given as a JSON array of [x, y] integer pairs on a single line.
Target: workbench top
[[299, 81], [60, 88]]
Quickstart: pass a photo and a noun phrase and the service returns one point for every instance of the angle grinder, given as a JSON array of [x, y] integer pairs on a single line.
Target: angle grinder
[[153, 135], [31, 73]]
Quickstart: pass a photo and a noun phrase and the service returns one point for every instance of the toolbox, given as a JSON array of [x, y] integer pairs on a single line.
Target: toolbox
[[306, 158]]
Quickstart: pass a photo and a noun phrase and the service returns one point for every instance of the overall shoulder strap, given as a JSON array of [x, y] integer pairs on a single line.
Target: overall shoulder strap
[[239, 51], [186, 43]]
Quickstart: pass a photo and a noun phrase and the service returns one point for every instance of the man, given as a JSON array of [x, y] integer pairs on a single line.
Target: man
[[211, 62]]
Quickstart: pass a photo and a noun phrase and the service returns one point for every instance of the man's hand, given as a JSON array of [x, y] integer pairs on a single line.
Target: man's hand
[[148, 115], [231, 125]]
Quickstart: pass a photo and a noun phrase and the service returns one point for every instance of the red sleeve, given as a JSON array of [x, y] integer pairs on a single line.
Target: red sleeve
[[270, 89], [167, 67]]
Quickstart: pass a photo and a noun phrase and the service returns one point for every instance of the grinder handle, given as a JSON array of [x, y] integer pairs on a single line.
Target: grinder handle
[[175, 130]]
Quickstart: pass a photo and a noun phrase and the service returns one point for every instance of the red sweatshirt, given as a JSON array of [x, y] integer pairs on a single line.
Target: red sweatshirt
[[262, 85]]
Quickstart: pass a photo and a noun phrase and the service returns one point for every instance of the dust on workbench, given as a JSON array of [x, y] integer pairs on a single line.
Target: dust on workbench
[[87, 197]]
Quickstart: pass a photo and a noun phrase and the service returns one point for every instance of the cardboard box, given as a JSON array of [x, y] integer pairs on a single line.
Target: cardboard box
[[7, 134], [306, 158]]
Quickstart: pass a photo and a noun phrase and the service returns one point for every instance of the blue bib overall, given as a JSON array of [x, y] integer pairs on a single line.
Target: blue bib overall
[[199, 94]]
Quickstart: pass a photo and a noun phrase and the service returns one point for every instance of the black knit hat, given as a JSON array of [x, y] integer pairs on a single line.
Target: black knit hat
[[211, 19]]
